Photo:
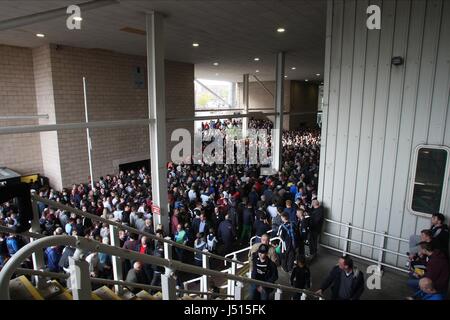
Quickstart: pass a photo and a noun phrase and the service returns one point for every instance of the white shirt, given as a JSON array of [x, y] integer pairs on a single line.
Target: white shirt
[[118, 215], [272, 210], [192, 195], [205, 199]]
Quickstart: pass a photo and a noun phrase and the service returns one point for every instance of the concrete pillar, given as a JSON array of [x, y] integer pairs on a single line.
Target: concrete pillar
[[279, 103], [245, 94], [156, 107]]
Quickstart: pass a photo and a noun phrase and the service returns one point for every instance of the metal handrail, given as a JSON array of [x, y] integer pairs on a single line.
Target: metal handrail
[[250, 247], [368, 231], [365, 244], [31, 272], [26, 234], [91, 216], [367, 259], [90, 245]]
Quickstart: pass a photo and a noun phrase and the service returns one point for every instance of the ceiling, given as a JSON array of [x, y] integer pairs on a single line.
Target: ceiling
[[231, 33]]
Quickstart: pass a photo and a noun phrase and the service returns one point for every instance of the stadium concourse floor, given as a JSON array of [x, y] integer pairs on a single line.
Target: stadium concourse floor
[[393, 283]]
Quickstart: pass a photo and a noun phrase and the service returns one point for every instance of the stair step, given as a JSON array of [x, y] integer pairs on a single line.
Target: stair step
[[67, 295], [52, 289], [144, 295], [105, 293], [21, 288], [127, 295]]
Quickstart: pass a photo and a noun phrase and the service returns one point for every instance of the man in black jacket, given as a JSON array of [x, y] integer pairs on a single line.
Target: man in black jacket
[[316, 221], [264, 270], [346, 281], [439, 232], [226, 235]]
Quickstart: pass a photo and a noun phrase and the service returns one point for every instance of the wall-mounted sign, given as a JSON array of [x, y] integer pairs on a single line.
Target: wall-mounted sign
[[139, 77]]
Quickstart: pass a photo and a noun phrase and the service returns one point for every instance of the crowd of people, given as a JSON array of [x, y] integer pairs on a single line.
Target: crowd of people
[[217, 208], [428, 264]]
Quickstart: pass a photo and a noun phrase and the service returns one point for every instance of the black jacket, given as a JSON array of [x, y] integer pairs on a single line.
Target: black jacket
[[316, 220], [226, 232], [334, 279], [271, 274], [260, 228], [440, 238], [301, 278]]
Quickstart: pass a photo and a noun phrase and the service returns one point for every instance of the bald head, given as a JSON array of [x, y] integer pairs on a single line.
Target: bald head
[[265, 238], [426, 285], [137, 266]]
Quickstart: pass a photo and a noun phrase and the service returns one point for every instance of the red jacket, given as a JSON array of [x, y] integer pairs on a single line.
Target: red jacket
[[438, 270]]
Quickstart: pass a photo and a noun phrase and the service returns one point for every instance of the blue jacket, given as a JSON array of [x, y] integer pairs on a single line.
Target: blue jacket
[[428, 296], [53, 257], [13, 245]]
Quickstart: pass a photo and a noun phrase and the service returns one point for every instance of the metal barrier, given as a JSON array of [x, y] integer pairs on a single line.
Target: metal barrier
[[80, 280], [381, 248]]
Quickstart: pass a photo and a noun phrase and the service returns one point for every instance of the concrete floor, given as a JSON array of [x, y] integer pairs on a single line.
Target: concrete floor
[[393, 283]]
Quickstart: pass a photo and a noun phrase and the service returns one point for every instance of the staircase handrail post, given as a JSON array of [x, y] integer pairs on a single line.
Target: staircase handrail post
[[116, 260]]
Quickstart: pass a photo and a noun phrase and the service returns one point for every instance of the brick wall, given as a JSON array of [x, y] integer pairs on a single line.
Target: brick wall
[[111, 96], [20, 152], [48, 80]]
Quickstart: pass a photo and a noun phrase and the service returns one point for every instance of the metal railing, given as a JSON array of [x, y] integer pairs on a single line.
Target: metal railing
[[381, 248], [53, 204], [80, 280]]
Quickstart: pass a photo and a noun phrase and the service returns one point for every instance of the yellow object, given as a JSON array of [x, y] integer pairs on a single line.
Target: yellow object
[[30, 178], [419, 271], [31, 289]]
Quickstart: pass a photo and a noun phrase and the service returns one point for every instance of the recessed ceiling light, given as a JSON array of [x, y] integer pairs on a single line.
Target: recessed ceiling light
[[293, 68], [78, 18], [285, 76], [318, 74], [40, 35], [195, 44], [216, 64], [280, 30], [256, 59], [306, 80], [257, 71]]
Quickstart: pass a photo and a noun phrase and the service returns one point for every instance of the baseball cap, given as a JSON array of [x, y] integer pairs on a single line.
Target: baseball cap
[[263, 248]]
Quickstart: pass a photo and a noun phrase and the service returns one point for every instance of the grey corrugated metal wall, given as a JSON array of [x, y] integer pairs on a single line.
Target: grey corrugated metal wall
[[375, 114]]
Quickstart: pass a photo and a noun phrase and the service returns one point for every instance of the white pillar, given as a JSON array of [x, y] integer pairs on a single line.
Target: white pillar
[[38, 256], [279, 102], [80, 282], [156, 106], [116, 260], [88, 135], [245, 89]]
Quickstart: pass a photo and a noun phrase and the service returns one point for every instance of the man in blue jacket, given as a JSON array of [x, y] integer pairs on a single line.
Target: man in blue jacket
[[346, 281]]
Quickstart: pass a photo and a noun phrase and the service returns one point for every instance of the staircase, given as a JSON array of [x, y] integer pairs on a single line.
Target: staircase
[[21, 288]]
